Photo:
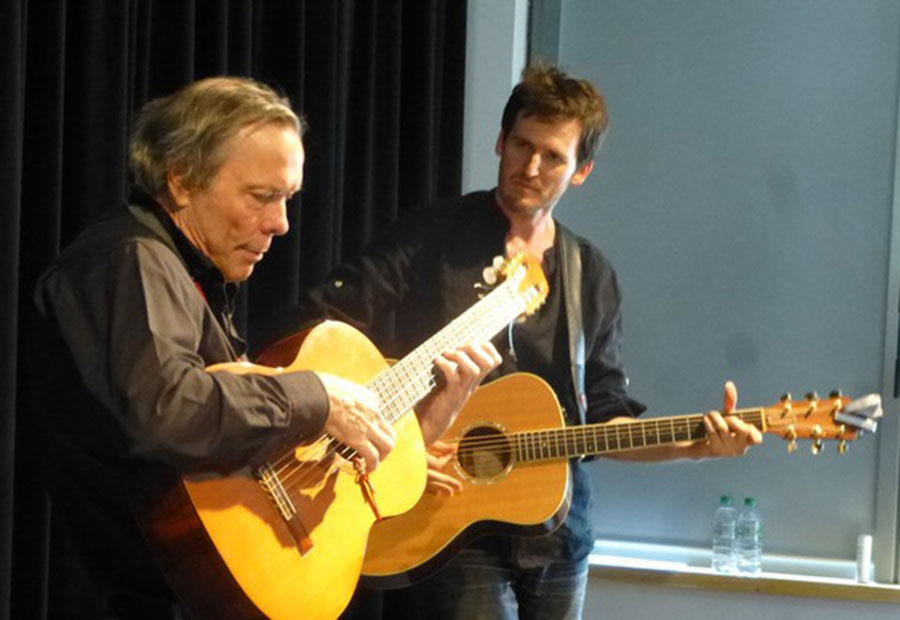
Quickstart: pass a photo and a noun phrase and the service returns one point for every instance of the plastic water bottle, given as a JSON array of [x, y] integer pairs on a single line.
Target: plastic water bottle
[[723, 549], [748, 539]]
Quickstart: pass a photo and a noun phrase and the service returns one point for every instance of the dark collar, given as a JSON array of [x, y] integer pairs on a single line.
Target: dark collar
[[208, 278]]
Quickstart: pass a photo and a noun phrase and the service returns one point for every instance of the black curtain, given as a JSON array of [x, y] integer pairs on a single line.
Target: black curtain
[[379, 81]]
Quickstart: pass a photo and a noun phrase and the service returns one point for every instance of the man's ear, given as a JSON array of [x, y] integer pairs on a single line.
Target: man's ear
[[181, 195], [498, 148], [582, 173]]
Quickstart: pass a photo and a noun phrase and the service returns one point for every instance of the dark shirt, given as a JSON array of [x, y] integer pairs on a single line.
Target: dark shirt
[[422, 274], [128, 318]]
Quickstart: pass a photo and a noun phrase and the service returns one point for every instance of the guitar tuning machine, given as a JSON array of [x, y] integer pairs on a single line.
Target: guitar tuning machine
[[792, 435], [843, 446], [816, 447], [787, 404], [813, 399], [489, 274], [836, 395]]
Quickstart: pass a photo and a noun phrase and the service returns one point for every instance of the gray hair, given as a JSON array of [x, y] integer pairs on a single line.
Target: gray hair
[[186, 131]]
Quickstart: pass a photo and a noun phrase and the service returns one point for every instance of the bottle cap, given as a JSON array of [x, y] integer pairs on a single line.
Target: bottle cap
[[726, 500], [750, 502]]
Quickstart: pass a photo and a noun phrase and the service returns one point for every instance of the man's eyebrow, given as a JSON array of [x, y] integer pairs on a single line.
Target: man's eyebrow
[[272, 189]]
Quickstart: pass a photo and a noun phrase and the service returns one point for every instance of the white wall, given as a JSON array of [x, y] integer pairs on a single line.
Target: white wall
[[745, 196], [495, 55]]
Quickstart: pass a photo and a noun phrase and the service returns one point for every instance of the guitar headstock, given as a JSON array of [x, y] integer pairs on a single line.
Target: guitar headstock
[[523, 272], [835, 418]]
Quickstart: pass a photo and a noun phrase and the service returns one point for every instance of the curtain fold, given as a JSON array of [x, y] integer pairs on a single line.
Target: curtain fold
[[12, 42], [379, 81]]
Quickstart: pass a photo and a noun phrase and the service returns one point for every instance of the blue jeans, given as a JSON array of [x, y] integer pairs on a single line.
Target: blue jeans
[[479, 584]]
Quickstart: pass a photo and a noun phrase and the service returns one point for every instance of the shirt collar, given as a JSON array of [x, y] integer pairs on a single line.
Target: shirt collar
[[203, 272]]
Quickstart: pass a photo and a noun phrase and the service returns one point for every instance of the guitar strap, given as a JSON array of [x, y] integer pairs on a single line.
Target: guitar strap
[[570, 263]]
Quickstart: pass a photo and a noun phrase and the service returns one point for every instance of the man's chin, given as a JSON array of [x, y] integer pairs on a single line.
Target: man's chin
[[238, 274], [520, 203], [522, 207]]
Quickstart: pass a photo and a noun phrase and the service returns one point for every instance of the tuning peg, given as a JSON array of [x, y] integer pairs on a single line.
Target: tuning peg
[[835, 394], [792, 435], [843, 447], [813, 399], [489, 275], [786, 403], [817, 435]]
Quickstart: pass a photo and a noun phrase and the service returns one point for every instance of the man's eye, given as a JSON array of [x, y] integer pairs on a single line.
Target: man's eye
[[556, 158]]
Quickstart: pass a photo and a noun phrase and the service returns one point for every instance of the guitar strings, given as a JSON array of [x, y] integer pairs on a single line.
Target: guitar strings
[[542, 443], [678, 428], [290, 465], [404, 391], [455, 332], [571, 436], [287, 465], [550, 443]]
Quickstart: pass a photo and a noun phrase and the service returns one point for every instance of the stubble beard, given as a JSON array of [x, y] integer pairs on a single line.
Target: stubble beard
[[517, 201]]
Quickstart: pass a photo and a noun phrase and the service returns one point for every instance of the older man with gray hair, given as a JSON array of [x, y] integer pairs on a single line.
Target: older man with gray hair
[[137, 308]]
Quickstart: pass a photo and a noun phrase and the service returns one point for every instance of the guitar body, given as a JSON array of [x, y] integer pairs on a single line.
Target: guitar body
[[498, 496], [227, 549]]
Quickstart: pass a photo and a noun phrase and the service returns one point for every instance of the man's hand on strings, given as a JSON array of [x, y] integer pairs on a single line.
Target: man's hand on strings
[[462, 371], [727, 435], [355, 420]]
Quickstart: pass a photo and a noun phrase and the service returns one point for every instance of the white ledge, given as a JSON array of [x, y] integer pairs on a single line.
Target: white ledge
[[689, 567]]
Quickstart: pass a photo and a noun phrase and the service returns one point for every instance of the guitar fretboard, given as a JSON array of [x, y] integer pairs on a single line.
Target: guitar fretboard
[[596, 439], [407, 382]]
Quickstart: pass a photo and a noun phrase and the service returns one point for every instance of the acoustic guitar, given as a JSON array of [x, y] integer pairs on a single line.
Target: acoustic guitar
[[286, 539], [512, 448]]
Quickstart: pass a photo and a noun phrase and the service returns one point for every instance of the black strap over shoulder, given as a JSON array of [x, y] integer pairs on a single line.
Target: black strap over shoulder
[[570, 259]]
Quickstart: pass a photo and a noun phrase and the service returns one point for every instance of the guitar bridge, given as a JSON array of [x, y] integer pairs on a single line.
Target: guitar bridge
[[271, 484]]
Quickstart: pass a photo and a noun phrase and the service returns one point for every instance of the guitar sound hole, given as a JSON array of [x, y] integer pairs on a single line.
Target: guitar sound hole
[[484, 452]]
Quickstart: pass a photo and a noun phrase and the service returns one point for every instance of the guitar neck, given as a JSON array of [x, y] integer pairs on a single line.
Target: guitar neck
[[408, 381], [598, 439]]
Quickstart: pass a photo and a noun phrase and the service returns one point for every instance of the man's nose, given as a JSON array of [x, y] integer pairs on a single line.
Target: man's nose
[[533, 165], [276, 222]]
